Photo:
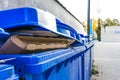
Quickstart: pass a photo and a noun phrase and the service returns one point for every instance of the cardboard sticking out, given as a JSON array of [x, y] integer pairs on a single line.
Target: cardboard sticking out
[[13, 45], [26, 44]]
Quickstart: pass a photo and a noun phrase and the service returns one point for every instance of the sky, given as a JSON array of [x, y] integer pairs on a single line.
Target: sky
[[99, 8], [77, 7], [105, 9]]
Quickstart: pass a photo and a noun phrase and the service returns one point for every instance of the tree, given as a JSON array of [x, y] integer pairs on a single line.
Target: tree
[[99, 23], [108, 22], [116, 22], [94, 24], [98, 30]]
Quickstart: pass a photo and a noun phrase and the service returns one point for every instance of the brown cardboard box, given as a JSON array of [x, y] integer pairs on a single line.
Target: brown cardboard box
[[27, 44]]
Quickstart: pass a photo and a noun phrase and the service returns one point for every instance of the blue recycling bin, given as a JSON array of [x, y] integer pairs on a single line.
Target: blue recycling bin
[[72, 63], [85, 38], [68, 30], [7, 72], [61, 64], [87, 60]]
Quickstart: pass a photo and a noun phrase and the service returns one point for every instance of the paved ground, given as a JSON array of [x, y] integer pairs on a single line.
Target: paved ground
[[107, 58]]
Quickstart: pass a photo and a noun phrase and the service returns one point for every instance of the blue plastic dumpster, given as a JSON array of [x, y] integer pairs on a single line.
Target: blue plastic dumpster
[[7, 72], [85, 38], [61, 64], [88, 57], [68, 30]]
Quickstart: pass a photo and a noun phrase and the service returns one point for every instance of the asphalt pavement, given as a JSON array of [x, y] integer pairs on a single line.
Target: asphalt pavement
[[107, 60]]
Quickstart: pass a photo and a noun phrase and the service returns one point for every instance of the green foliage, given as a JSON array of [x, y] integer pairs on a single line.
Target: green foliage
[[109, 22], [116, 22], [98, 30], [94, 70]]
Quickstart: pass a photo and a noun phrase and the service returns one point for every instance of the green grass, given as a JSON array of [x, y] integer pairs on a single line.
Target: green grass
[[94, 70]]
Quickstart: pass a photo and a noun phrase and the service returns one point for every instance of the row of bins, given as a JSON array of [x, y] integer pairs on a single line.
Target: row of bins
[[62, 64], [71, 63]]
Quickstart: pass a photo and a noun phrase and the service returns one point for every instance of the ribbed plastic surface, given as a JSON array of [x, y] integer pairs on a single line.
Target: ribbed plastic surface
[[65, 64], [7, 72], [87, 61], [72, 64]]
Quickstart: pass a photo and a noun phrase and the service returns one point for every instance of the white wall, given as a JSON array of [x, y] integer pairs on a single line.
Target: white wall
[[110, 33]]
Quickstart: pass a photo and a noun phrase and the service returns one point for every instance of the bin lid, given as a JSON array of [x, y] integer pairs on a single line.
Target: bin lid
[[32, 18]]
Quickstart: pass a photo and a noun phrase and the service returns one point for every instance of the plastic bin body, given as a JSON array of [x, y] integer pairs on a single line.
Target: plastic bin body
[[61, 64], [88, 56], [7, 72], [91, 58], [87, 65]]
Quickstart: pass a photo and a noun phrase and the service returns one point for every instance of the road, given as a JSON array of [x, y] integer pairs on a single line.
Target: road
[[107, 60]]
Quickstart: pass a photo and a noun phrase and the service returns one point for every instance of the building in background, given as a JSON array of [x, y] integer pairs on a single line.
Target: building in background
[[110, 33]]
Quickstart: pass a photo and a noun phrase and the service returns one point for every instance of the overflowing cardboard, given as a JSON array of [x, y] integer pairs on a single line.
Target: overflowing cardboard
[[26, 44]]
